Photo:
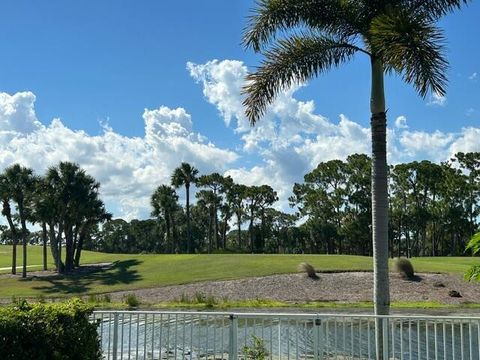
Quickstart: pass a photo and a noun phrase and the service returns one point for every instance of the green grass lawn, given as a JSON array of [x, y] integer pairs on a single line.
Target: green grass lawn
[[143, 271]]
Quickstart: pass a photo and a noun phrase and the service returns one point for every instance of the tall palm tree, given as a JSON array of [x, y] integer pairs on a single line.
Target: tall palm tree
[[21, 184], [215, 183], [41, 211], [301, 39], [6, 197], [164, 203], [209, 200], [185, 175], [236, 196]]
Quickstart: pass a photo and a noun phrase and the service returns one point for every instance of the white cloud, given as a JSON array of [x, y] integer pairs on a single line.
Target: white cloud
[[473, 76], [222, 83], [17, 114], [467, 141], [401, 122], [423, 145], [129, 168], [437, 100]]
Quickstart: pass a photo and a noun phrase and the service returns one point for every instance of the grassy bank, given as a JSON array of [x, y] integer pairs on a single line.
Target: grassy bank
[[145, 271]]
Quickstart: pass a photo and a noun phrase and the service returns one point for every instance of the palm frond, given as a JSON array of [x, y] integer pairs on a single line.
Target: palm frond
[[412, 46], [433, 9], [292, 61], [474, 244], [334, 17]]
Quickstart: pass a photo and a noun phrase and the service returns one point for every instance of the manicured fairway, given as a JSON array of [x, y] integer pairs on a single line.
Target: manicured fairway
[[143, 271]]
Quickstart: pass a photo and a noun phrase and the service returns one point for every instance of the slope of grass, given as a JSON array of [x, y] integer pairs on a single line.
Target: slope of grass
[[144, 271]]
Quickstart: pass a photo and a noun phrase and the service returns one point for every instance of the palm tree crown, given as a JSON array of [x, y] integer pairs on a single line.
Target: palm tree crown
[[326, 33], [186, 175]]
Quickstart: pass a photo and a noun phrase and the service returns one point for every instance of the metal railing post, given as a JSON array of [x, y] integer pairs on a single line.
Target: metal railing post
[[317, 327], [385, 338], [232, 343], [115, 336]]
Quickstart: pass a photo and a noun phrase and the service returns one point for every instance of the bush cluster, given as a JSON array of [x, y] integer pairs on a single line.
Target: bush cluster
[[405, 268], [55, 331]]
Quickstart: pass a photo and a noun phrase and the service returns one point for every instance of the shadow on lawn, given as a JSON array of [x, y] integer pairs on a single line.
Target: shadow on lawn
[[119, 273]]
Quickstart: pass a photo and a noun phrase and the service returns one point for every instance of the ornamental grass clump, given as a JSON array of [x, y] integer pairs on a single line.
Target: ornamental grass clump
[[405, 268], [309, 270], [132, 301]]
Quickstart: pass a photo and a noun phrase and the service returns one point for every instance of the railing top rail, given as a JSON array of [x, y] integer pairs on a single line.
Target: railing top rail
[[291, 315]]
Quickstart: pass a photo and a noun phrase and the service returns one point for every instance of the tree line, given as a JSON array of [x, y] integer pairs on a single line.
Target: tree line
[[64, 203], [434, 211]]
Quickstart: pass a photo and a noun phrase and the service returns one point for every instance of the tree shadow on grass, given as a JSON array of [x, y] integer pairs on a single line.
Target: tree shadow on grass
[[119, 273]]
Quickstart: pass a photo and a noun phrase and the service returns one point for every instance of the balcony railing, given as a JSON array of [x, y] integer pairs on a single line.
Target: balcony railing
[[215, 335]]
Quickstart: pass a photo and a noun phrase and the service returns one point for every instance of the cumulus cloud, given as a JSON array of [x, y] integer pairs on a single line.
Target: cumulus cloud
[[437, 100], [473, 76], [401, 122], [129, 168]]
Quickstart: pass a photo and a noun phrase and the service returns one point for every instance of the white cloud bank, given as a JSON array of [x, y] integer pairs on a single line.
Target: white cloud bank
[[290, 140], [129, 168]]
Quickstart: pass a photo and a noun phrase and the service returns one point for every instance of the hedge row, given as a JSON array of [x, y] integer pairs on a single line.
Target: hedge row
[[60, 331]]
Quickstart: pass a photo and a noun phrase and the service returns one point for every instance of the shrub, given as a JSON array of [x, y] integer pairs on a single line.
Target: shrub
[[107, 298], [405, 268], [257, 350], [55, 331], [200, 297], [132, 300], [208, 300], [308, 269]]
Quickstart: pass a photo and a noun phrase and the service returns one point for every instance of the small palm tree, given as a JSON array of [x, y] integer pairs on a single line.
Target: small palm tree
[[398, 36], [185, 175]]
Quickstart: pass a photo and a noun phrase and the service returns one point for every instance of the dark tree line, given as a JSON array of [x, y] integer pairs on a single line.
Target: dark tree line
[[434, 211], [434, 208]]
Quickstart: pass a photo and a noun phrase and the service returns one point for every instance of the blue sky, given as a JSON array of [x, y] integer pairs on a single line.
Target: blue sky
[[97, 65]]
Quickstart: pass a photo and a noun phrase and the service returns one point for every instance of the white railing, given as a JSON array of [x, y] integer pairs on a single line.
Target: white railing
[[214, 335]]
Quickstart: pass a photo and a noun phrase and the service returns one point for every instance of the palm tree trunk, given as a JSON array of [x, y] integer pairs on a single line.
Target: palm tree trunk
[[13, 230], [81, 238], [239, 230], [381, 292], [169, 238], [24, 239], [44, 238], [217, 238], [250, 230], [60, 265], [189, 231], [210, 225]]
